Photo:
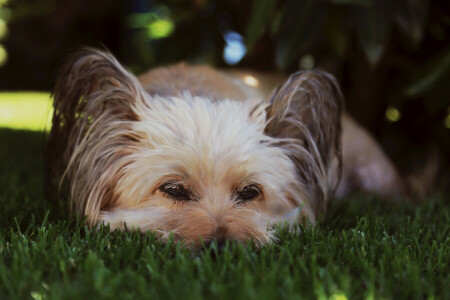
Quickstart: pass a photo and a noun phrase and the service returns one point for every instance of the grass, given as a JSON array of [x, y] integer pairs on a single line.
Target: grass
[[366, 248], [29, 111]]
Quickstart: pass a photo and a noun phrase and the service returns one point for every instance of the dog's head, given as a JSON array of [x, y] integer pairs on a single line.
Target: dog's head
[[195, 167]]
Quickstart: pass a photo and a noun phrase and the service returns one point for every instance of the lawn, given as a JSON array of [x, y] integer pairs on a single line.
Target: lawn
[[29, 111], [366, 248]]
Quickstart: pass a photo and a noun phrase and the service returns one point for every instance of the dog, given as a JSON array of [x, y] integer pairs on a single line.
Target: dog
[[206, 155]]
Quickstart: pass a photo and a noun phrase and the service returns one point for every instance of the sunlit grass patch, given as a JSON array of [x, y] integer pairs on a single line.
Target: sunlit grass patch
[[25, 110]]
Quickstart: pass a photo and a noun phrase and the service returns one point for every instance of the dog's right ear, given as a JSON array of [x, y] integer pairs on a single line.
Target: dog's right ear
[[305, 115], [92, 91]]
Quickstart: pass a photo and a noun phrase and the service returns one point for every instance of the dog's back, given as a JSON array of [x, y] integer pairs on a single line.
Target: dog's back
[[198, 80]]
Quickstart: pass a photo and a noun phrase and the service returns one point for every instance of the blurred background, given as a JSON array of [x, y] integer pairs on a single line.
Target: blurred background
[[392, 57]]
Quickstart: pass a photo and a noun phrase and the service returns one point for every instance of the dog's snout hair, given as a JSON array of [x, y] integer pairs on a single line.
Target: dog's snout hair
[[220, 237]]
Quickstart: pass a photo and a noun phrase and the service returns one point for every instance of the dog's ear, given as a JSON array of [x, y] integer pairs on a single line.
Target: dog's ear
[[92, 91], [305, 115]]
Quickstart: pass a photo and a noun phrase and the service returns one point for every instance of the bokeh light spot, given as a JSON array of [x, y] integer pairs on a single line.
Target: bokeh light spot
[[393, 114], [3, 29], [25, 110], [234, 49], [37, 296], [251, 81], [338, 296], [447, 122], [160, 28], [3, 55], [307, 62]]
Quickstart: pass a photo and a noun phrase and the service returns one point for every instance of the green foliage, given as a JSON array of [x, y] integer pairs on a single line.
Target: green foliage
[[365, 248], [260, 16], [303, 24], [435, 70], [300, 27], [292, 34]]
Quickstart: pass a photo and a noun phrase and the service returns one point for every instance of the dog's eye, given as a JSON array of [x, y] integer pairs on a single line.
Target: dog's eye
[[248, 193], [176, 191]]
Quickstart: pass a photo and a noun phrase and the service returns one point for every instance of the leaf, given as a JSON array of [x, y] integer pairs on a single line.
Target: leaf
[[432, 72], [373, 26], [300, 27], [338, 37], [410, 18], [259, 20]]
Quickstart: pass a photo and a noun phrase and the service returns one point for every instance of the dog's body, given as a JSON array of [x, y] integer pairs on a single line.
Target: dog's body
[[204, 154]]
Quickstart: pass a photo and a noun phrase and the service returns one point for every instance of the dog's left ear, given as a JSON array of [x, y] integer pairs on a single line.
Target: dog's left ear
[[305, 115]]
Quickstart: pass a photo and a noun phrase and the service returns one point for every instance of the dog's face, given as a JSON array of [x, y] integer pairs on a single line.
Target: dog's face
[[203, 170]]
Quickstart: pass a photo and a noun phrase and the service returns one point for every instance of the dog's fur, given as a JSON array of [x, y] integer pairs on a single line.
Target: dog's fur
[[118, 140]]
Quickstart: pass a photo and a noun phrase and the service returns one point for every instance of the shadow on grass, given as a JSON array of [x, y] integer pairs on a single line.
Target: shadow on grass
[[22, 195]]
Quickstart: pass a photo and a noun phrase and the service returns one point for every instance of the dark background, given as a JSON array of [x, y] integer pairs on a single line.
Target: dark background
[[392, 57]]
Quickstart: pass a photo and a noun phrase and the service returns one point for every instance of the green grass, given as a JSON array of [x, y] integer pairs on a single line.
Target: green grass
[[29, 110], [365, 249]]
